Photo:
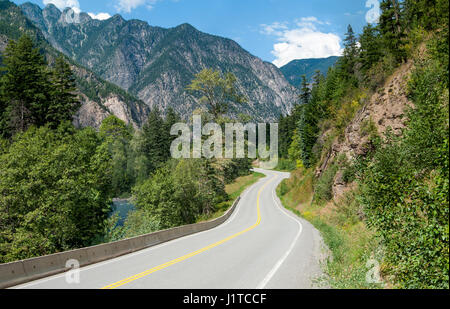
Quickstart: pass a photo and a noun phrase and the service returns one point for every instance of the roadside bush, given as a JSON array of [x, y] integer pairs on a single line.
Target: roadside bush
[[180, 192], [286, 165], [404, 189], [323, 186]]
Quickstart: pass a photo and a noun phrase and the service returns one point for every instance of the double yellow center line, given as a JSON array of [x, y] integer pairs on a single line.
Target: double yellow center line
[[187, 256]]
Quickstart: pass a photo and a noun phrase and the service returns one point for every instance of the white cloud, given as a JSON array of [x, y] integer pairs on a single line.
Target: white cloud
[[274, 28], [75, 6], [128, 5], [62, 4], [303, 41], [100, 16]]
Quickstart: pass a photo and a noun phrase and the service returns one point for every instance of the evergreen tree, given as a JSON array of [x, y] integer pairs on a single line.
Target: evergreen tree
[[370, 50], [349, 58], [428, 14], [113, 128], [155, 140], [307, 132], [3, 116], [171, 119], [64, 100], [25, 85], [391, 29], [305, 91], [116, 137]]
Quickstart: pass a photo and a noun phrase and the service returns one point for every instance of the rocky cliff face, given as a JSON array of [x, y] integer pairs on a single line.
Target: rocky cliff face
[[385, 110], [157, 64], [99, 98]]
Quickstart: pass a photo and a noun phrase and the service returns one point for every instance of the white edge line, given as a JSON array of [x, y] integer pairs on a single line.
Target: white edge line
[[147, 250], [280, 262]]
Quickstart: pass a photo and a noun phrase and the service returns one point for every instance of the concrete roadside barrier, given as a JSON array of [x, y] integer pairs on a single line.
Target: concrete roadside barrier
[[19, 272]]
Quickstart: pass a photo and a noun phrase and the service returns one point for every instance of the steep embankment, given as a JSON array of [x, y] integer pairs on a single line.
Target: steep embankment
[[326, 194], [385, 110], [376, 177]]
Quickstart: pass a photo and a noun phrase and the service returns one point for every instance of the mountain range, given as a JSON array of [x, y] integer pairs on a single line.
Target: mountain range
[[156, 64], [294, 70]]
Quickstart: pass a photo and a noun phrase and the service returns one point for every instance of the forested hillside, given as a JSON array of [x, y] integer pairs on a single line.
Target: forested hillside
[[99, 98], [370, 145]]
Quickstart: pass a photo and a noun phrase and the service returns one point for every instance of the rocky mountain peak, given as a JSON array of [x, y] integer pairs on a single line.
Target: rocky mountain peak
[[157, 64]]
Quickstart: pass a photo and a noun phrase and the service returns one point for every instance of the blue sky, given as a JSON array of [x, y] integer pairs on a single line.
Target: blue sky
[[277, 31]]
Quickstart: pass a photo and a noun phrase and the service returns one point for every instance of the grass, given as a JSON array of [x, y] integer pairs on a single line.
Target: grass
[[234, 190], [351, 243]]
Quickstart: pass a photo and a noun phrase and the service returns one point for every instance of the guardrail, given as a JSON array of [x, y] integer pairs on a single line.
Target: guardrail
[[23, 271]]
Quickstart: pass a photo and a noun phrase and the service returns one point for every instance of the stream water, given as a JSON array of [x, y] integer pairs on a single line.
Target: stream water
[[122, 207]]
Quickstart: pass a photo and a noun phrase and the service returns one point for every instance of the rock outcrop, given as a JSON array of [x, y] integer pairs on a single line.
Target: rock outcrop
[[386, 109]]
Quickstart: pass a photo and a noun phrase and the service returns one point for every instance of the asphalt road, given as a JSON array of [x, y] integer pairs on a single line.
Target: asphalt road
[[261, 246]]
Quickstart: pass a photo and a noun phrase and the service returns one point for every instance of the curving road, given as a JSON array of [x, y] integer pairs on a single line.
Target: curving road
[[261, 246]]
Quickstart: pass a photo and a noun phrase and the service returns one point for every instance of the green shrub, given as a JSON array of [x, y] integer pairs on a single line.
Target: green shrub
[[286, 165], [323, 186], [404, 189]]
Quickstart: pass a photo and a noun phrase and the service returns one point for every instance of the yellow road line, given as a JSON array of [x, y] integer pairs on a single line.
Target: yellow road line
[[185, 257]]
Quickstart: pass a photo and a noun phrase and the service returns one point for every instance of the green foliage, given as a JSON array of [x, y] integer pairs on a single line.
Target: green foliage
[[405, 188], [308, 131], [116, 136], [135, 155], [295, 149], [217, 93], [179, 192], [64, 103], [55, 191], [348, 61], [32, 93], [370, 50], [323, 186], [305, 92], [392, 29], [430, 14], [112, 128], [286, 128], [234, 168], [137, 223], [403, 180], [25, 85], [156, 138]]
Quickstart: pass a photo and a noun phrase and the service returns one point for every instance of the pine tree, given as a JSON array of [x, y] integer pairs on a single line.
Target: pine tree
[[3, 117], [370, 51], [155, 140], [25, 85], [391, 28], [305, 94], [64, 100], [171, 119], [350, 52], [429, 14]]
